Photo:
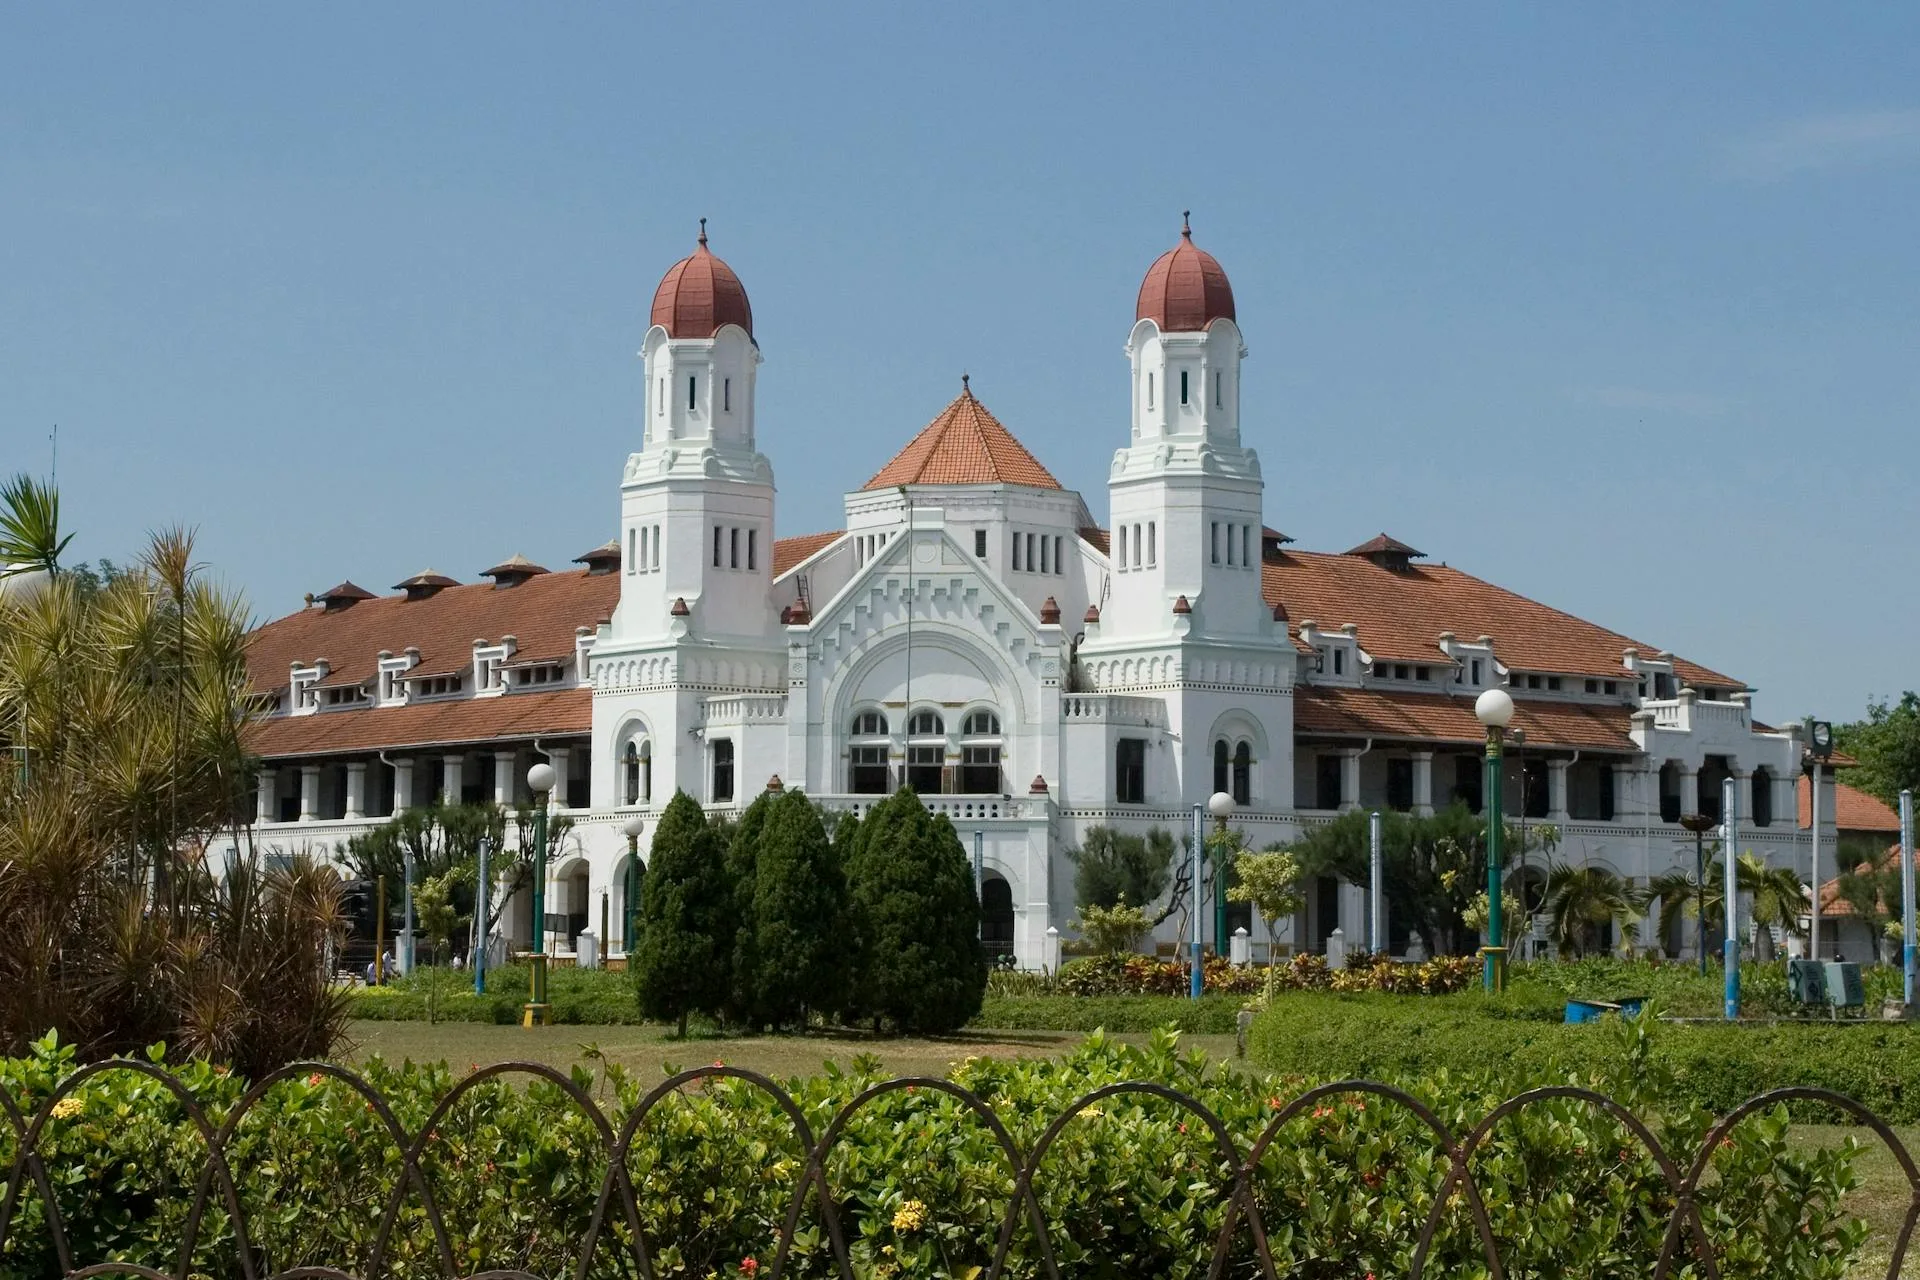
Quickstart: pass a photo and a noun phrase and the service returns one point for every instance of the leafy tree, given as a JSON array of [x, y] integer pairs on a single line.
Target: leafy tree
[[915, 920], [1112, 867], [1887, 745], [686, 943], [1681, 900], [743, 852], [1271, 882], [1776, 899], [1111, 930], [1434, 866], [798, 918]]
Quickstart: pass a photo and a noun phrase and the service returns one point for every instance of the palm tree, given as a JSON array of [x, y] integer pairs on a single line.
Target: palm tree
[[1776, 896], [1581, 901], [1682, 899], [30, 537]]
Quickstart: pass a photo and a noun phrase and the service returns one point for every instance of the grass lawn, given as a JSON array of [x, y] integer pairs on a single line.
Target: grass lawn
[[645, 1050], [1882, 1197]]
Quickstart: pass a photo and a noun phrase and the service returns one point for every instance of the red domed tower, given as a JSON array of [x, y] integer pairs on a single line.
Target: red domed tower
[[1185, 288], [700, 294]]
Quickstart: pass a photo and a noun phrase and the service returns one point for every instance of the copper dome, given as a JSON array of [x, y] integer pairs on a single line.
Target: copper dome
[[1185, 288], [699, 294]]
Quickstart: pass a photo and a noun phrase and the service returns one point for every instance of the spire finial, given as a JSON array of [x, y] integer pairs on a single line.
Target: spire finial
[[965, 387], [1186, 228], [703, 232]]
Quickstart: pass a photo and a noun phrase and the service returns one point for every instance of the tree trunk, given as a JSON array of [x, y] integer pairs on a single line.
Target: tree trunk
[[683, 1026]]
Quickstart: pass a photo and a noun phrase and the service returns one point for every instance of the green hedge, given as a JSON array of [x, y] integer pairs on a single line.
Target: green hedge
[[1329, 1036], [1134, 1187], [575, 996], [1210, 1015]]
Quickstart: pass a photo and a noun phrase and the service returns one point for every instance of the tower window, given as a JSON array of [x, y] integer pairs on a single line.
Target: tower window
[[633, 548], [1214, 535], [1030, 565], [692, 390], [1046, 555], [726, 395], [1246, 545], [733, 548], [753, 549], [1059, 554], [1017, 540], [719, 541], [1149, 391], [1216, 391], [1130, 771], [654, 552], [1136, 546], [980, 543], [1183, 386], [722, 770], [1152, 538], [660, 398]]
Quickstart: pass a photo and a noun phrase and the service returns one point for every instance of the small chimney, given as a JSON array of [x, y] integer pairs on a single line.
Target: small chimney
[[1181, 608], [1049, 612], [1093, 615]]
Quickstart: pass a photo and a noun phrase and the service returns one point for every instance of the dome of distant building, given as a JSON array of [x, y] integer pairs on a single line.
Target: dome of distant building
[[700, 294], [1186, 288]]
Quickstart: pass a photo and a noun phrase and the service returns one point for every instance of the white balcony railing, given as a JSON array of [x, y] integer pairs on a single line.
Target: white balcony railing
[[1113, 708]]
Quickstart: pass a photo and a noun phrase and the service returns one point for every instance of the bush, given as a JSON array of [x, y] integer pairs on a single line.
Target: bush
[[1516, 1041], [685, 949], [1113, 975], [1134, 1187], [574, 996], [1212, 1014]]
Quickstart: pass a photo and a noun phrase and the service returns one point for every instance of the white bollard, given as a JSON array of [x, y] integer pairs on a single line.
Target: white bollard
[[1240, 950], [1416, 948], [586, 950], [1336, 950], [1050, 961]]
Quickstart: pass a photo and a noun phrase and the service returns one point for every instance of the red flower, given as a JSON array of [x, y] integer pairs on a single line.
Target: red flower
[[749, 1266]]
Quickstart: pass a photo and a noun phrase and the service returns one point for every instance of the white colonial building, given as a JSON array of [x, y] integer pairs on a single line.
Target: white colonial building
[[1030, 666]]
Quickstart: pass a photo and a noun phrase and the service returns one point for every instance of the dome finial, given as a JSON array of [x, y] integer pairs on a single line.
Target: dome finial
[[1186, 228], [703, 232], [965, 387]]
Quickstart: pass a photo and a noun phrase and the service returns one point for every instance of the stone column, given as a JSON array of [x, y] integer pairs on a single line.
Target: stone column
[[562, 757], [1743, 796], [309, 792], [503, 762], [1557, 790], [1689, 789], [402, 785], [1628, 803], [1350, 780], [357, 789], [453, 776], [1423, 783], [267, 807]]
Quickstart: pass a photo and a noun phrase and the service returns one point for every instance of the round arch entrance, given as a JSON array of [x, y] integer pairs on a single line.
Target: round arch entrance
[[996, 916]]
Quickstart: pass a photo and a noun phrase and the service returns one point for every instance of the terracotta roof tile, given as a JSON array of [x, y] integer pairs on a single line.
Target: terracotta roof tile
[[1431, 717], [789, 552], [964, 445], [1185, 289], [1832, 904], [1857, 811], [1401, 613], [425, 724], [699, 294], [541, 614], [1097, 538]]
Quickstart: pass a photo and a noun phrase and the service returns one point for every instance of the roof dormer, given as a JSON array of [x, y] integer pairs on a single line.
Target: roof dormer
[[1389, 553], [512, 572], [344, 596], [425, 584]]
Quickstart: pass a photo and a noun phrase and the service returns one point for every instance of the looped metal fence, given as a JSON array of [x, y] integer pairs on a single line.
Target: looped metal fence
[[616, 1200]]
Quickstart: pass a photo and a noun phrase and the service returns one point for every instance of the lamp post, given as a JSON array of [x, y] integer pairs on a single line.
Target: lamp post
[[1494, 709], [540, 781], [1197, 983], [1699, 824], [1519, 737], [1731, 835], [1220, 805], [629, 922]]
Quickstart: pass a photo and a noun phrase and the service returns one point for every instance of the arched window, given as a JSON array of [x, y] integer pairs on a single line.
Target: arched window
[[1243, 773], [1220, 763], [980, 760], [1762, 798], [926, 761], [867, 770], [870, 724], [636, 772]]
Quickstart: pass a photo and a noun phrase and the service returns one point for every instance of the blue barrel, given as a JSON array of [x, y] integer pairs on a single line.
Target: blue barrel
[[1589, 1010]]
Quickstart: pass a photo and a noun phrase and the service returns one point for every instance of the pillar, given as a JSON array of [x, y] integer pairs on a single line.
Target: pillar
[[1557, 790], [453, 777], [1689, 789], [1349, 780], [561, 757], [267, 809], [1423, 783], [503, 762], [1628, 803], [309, 791], [357, 789], [402, 785], [1743, 796]]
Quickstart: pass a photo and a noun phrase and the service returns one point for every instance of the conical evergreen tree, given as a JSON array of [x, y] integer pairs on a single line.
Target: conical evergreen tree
[[743, 851], [686, 946], [916, 918], [799, 917]]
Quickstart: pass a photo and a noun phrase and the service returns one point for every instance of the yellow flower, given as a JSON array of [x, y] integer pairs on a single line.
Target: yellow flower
[[910, 1216], [1091, 1113], [68, 1107]]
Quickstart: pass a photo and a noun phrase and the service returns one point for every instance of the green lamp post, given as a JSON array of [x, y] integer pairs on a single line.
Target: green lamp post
[[540, 780], [630, 926], [1494, 709]]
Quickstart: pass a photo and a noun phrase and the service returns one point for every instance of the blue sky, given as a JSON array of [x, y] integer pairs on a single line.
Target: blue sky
[[1613, 305]]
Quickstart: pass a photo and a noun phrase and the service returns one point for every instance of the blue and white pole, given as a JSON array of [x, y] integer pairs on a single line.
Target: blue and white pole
[[1909, 945], [1730, 828], [1199, 841], [1376, 886]]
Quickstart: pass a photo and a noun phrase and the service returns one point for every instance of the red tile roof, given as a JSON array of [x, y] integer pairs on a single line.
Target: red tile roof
[[1185, 289], [1856, 810], [1401, 613], [788, 552], [425, 724], [964, 445], [699, 294], [540, 613], [1832, 904], [1435, 717], [1097, 538]]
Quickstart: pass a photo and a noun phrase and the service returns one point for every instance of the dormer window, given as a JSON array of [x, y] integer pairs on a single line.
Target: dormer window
[[546, 673], [436, 686]]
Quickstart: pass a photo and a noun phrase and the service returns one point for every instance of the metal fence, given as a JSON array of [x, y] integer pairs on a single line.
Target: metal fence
[[616, 1202]]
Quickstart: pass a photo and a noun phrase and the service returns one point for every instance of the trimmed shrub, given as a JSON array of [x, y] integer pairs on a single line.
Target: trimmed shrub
[[686, 941], [743, 858], [915, 920], [1211, 1015], [796, 961], [574, 996]]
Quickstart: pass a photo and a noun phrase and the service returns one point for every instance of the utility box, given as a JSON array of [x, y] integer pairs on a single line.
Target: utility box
[[1807, 981], [1844, 988]]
